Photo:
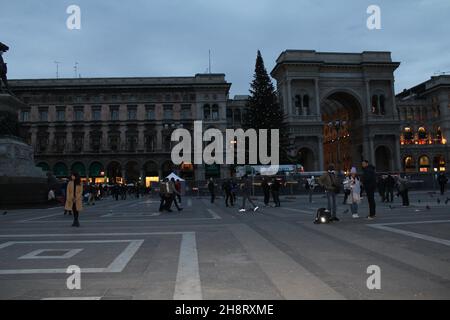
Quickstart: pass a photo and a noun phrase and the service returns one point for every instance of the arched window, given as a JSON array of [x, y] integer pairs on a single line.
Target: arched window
[[408, 136], [408, 164], [215, 112], [306, 104], [422, 135], [206, 112], [424, 164], [375, 109]]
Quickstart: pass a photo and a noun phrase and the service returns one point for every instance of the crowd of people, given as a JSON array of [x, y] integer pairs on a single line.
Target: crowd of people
[[75, 193]]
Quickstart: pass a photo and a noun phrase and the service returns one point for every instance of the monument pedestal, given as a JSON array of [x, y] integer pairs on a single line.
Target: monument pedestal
[[21, 182]]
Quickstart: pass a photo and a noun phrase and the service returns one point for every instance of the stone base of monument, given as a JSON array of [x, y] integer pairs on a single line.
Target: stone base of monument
[[21, 182]]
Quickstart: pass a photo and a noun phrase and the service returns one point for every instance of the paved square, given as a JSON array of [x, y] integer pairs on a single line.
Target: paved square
[[129, 250]]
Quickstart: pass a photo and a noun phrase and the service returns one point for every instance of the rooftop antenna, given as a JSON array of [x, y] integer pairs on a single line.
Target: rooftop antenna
[[209, 56], [75, 68], [57, 69]]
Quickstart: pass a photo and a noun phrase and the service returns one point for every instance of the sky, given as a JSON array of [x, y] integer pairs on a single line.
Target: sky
[[152, 38]]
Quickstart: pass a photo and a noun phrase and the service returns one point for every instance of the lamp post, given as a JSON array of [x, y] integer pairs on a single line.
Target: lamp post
[[338, 125]]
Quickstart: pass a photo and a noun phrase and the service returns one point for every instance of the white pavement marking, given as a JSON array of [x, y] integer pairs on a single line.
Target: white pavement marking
[[131, 214], [52, 235], [73, 298], [393, 250], [41, 217], [36, 254], [384, 226], [292, 280], [126, 220], [188, 286], [298, 210], [116, 266], [214, 214]]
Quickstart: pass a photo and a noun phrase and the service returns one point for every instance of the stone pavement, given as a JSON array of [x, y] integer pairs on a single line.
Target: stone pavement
[[128, 250]]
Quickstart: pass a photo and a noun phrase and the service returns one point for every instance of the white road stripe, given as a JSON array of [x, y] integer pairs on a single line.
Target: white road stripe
[[298, 210], [188, 286], [41, 217], [413, 234], [214, 214]]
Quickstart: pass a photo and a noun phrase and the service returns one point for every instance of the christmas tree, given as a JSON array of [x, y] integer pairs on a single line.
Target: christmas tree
[[264, 110]]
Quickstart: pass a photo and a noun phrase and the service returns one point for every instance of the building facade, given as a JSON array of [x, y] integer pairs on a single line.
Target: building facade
[[425, 114], [340, 108], [119, 128]]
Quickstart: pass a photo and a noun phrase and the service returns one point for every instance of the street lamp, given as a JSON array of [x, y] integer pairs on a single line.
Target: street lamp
[[338, 125]]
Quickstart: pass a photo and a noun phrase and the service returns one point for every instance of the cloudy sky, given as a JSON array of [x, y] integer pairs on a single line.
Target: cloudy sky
[[172, 37]]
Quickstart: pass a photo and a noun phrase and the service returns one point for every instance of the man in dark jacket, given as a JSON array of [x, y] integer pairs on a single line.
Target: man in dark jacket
[[266, 191], [211, 188], [226, 187], [442, 182], [369, 181]]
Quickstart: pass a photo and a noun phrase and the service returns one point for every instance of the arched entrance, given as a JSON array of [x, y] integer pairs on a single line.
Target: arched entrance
[[114, 172], [342, 131], [97, 172], [151, 173], [305, 157], [79, 168], [132, 172], [60, 170], [383, 159]]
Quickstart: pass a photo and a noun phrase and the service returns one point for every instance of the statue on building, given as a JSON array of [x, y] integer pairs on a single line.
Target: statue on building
[[3, 67]]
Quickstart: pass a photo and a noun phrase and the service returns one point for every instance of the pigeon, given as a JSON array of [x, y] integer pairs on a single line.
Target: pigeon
[[346, 211], [447, 201], [390, 207], [419, 201], [438, 201], [4, 213], [428, 207]]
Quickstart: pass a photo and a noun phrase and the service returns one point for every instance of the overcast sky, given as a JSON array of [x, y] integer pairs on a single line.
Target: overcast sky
[[172, 37]]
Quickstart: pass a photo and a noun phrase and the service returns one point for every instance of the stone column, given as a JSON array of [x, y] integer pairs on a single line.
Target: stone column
[[320, 165], [141, 138], [33, 137], [51, 139], [105, 145], [86, 142], [69, 138], [289, 97], [317, 97], [368, 102], [396, 160], [159, 138], [123, 138]]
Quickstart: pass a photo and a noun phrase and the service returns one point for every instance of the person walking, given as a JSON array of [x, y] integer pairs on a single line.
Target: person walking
[[234, 190], [354, 198], [74, 198], [330, 183], [390, 185], [173, 193], [64, 193], [369, 182], [164, 196], [275, 188], [381, 185], [178, 188], [310, 185], [442, 179], [403, 190], [211, 188], [226, 187], [246, 187], [266, 191], [92, 194]]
